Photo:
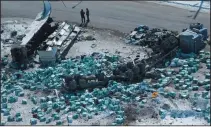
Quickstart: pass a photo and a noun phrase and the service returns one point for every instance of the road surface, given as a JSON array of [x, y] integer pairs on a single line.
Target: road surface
[[117, 15]]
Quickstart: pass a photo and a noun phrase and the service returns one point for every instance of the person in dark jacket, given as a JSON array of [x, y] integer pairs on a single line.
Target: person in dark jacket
[[87, 14], [82, 16]]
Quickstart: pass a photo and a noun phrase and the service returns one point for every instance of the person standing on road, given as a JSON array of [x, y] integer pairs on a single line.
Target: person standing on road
[[87, 14], [82, 16]]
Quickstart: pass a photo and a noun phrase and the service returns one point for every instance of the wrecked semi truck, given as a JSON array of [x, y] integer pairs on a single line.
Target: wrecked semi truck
[[46, 40], [35, 34]]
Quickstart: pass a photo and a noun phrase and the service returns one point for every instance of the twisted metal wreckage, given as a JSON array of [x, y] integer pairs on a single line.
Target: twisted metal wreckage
[[165, 46], [53, 40], [49, 39]]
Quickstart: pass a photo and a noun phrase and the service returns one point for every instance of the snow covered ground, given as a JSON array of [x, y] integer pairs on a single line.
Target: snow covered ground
[[189, 5], [105, 41]]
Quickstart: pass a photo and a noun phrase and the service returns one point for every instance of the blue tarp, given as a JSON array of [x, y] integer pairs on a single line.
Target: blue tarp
[[46, 10]]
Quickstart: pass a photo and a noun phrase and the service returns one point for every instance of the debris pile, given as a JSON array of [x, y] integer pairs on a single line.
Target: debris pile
[[112, 99], [157, 39]]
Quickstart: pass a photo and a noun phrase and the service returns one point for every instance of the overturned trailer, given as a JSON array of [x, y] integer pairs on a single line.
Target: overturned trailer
[[50, 40], [57, 45], [35, 34]]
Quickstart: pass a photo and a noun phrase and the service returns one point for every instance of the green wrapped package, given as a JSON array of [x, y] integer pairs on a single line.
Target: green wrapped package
[[75, 116], [195, 88], [141, 105], [34, 100], [55, 105], [84, 114], [40, 115], [48, 111], [21, 94], [62, 107], [53, 114], [181, 82], [59, 122], [79, 110], [207, 75], [196, 95], [3, 123], [4, 105], [49, 120], [33, 88], [89, 116], [160, 80], [119, 120], [190, 77], [207, 87], [178, 76], [24, 101], [3, 99], [19, 119], [156, 85], [193, 69], [207, 118], [17, 114], [184, 87], [43, 105], [34, 110], [42, 99], [207, 97], [12, 99], [56, 117], [10, 119], [176, 80], [186, 76], [121, 113], [49, 98], [190, 89], [177, 86], [195, 80], [42, 119], [207, 81], [166, 95], [185, 66], [172, 94], [200, 83], [188, 84], [184, 95]]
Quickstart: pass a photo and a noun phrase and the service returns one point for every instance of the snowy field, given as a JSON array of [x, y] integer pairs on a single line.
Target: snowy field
[[189, 5]]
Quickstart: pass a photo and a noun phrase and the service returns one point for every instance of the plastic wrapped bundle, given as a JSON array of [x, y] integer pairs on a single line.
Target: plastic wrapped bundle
[[184, 95]]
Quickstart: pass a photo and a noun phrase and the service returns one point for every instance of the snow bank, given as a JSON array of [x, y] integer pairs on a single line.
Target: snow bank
[[189, 5]]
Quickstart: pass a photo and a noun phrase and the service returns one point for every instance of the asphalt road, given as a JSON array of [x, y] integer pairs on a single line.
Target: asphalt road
[[117, 15]]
